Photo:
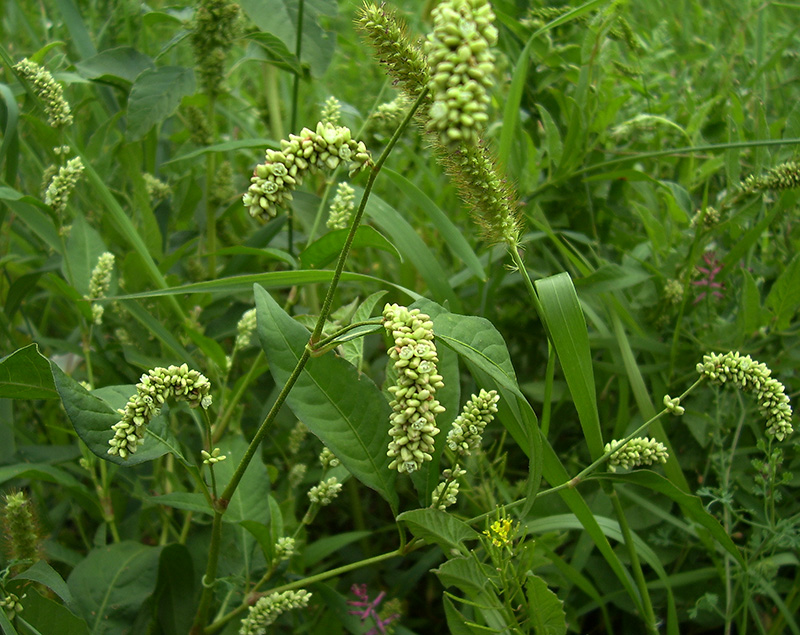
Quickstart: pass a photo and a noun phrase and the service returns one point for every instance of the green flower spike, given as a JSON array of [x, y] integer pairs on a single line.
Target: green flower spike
[[414, 407], [462, 64], [99, 284], [57, 193], [245, 329], [325, 491], [152, 391], [342, 207], [268, 608], [749, 375], [467, 430], [785, 176], [20, 529], [446, 493], [46, 89], [325, 148], [636, 452]]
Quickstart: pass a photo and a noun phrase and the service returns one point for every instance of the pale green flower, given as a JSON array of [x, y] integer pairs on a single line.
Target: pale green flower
[[636, 452], [48, 90], [268, 608], [325, 491]]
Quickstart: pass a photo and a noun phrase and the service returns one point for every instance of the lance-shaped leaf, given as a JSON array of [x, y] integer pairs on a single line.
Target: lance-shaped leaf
[[344, 408]]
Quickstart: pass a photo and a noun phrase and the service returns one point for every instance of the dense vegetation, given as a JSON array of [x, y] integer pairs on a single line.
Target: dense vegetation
[[329, 318]]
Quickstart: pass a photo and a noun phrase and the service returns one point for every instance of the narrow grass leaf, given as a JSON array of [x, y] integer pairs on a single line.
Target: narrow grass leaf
[[9, 116], [452, 236], [344, 408], [567, 327]]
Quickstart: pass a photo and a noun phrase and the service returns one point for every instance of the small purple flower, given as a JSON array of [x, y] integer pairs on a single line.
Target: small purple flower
[[368, 608], [709, 282]]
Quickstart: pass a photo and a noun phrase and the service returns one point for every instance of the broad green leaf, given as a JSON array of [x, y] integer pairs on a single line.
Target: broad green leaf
[[456, 623], [783, 298], [84, 247], [465, 573], [545, 609], [92, 416], [691, 505], [322, 548], [276, 53], [155, 95], [439, 527], [566, 325], [190, 501], [175, 590], [43, 573], [327, 248], [26, 374], [342, 407], [452, 236], [48, 616], [8, 627], [280, 17], [111, 583], [250, 500], [117, 66]]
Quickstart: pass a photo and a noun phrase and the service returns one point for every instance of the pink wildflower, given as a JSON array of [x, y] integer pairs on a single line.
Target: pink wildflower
[[710, 272], [368, 608]]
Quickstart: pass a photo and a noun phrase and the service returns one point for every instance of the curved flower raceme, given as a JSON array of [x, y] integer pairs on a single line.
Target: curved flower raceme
[[750, 375], [152, 391], [268, 608], [414, 407], [466, 433], [48, 90], [462, 63], [283, 171], [637, 452]]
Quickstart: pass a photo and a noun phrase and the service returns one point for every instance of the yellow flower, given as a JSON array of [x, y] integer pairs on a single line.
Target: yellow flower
[[501, 532]]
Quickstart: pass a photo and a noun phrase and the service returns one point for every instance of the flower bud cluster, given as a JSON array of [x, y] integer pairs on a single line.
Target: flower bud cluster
[[284, 548], [414, 407], [152, 391], [11, 605], [331, 111], [445, 494], [462, 64], [274, 180], [245, 329], [782, 177], [268, 608], [389, 38], [20, 528], [749, 375], [99, 283], [325, 491], [386, 117], [328, 459], [46, 89], [215, 456], [636, 452], [342, 206], [466, 433], [297, 435], [673, 291], [673, 405], [57, 193], [296, 474], [157, 190]]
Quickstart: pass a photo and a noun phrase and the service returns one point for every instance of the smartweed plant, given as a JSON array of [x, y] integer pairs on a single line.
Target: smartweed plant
[[460, 317]]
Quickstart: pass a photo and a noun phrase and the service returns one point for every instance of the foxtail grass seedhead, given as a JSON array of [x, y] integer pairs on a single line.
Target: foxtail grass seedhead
[[414, 407], [268, 608], [782, 177], [152, 391], [749, 375], [48, 90], [20, 529], [388, 36], [342, 206], [637, 452], [491, 199], [283, 170], [460, 55]]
